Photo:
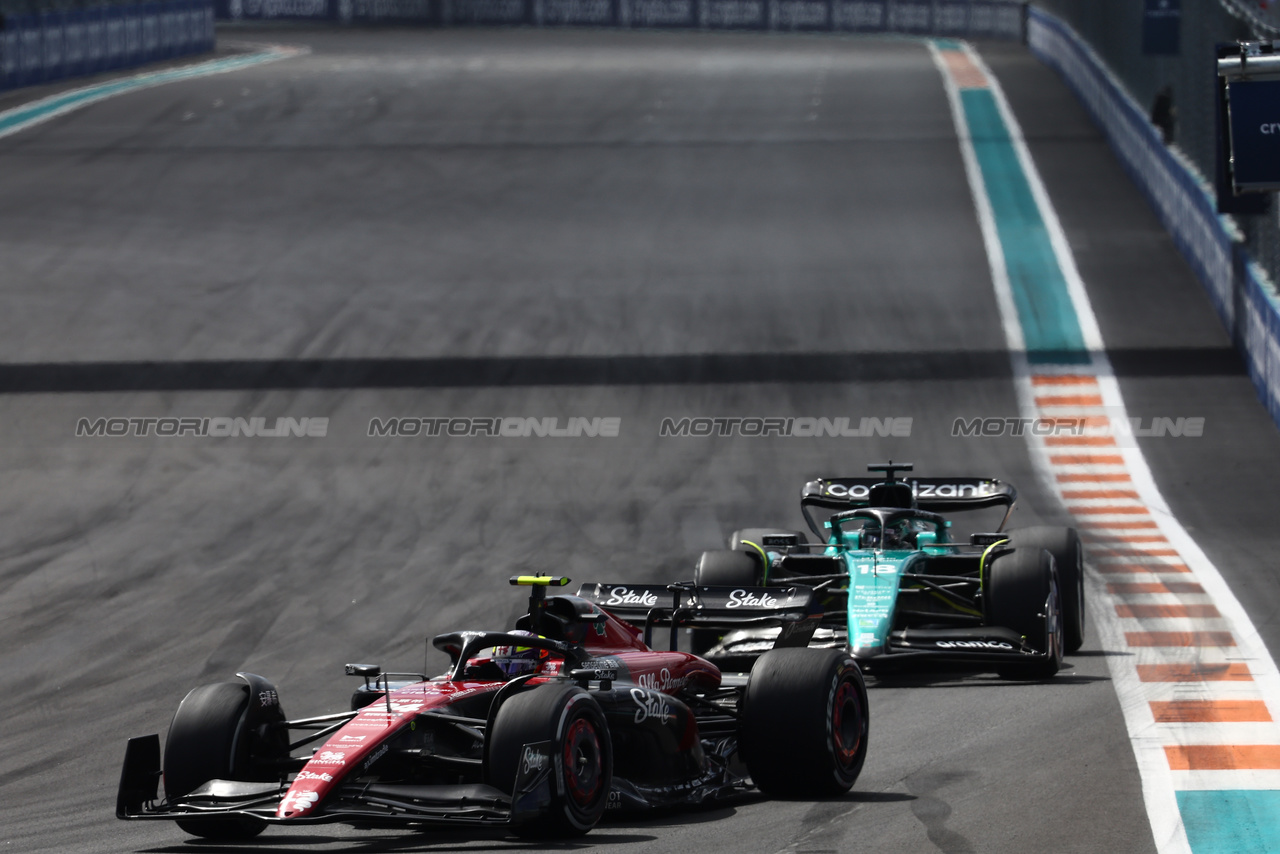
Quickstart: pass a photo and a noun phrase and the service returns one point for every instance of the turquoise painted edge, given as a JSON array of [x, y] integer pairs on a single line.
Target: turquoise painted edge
[[17, 118], [1228, 821], [1050, 328], [1224, 821]]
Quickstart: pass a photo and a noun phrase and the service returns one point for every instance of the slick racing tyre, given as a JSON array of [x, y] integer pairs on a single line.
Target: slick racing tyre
[[1068, 556], [724, 569], [1020, 592], [570, 727], [208, 741], [729, 569], [804, 723]]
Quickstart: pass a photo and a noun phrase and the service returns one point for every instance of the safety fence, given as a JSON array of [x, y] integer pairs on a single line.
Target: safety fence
[[41, 47], [959, 18], [1240, 290]]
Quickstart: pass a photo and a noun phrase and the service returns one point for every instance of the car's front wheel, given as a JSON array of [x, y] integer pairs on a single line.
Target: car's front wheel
[[1068, 557], [805, 722], [1020, 592], [563, 727], [208, 740]]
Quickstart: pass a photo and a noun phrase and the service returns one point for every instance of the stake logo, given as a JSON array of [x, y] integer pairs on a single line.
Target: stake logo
[[625, 596]]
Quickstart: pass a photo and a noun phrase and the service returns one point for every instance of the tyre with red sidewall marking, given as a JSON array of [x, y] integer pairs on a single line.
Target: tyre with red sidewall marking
[[805, 722], [572, 721]]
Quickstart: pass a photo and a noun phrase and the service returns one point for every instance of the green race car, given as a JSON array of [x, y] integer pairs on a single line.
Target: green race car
[[897, 588]]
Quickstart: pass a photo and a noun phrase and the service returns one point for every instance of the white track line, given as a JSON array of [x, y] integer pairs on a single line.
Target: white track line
[[1235, 642]]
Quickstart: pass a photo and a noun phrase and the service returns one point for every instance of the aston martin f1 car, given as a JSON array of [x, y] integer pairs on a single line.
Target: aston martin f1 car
[[898, 589], [540, 729]]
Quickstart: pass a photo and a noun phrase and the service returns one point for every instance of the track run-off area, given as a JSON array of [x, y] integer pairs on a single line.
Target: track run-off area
[[641, 226]]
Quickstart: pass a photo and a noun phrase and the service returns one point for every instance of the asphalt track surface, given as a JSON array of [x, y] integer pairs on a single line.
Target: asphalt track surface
[[546, 224]]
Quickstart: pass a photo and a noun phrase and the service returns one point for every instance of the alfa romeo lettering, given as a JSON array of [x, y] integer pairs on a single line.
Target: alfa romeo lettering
[[662, 681]]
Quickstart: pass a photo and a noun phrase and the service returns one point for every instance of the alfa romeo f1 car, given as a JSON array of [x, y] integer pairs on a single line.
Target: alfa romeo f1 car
[[898, 589], [540, 729]]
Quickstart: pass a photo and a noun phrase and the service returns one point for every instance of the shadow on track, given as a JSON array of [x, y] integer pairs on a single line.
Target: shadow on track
[[514, 371], [961, 678], [447, 840]]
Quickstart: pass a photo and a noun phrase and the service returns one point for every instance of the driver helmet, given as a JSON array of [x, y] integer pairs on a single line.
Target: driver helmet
[[517, 660], [897, 535]]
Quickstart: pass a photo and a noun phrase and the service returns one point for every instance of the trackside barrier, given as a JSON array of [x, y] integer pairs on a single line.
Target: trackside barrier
[[1246, 302], [960, 18], [48, 46]]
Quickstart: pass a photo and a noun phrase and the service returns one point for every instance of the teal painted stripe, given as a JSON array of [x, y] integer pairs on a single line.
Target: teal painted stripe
[[1050, 328], [17, 118], [22, 115], [1231, 821]]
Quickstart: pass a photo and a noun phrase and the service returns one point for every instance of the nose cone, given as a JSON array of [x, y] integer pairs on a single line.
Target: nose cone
[[297, 804]]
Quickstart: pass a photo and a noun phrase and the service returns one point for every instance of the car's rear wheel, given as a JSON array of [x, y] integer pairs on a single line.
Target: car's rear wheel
[[805, 722], [570, 726], [208, 740], [1020, 592], [729, 569], [724, 569], [1068, 556]]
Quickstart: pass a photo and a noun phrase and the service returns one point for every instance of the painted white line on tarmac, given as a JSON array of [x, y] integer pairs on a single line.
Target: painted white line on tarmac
[[1214, 666]]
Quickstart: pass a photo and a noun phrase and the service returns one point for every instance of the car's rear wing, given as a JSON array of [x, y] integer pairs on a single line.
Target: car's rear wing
[[936, 494], [796, 610]]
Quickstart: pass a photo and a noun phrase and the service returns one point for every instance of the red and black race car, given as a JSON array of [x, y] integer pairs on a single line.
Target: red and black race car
[[540, 729]]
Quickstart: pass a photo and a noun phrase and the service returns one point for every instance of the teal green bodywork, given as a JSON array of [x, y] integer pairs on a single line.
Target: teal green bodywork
[[875, 582]]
